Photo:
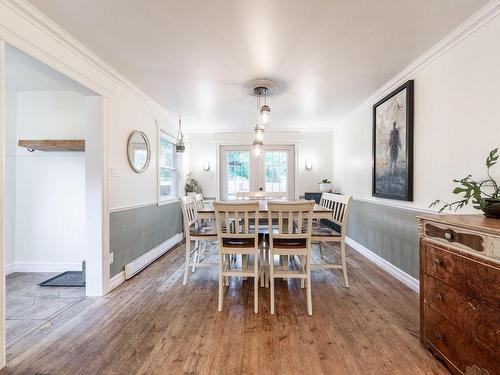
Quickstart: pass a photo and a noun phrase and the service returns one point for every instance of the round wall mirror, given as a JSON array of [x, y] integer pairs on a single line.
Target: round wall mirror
[[139, 151]]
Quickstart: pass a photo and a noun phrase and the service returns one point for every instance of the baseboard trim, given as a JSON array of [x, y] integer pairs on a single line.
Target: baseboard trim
[[146, 259], [9, 268], [390, 268], [116, 280], [41, 267]]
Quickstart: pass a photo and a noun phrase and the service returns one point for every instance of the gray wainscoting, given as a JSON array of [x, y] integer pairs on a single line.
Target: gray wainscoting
[[135, 231], [389, 232]]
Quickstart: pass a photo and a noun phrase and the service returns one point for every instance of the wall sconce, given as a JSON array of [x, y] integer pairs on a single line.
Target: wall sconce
[[309, 164], [206, 165]]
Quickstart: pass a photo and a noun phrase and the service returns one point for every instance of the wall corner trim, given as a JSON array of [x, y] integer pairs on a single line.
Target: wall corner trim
[[116, 280], [391, 269], [468, 27]]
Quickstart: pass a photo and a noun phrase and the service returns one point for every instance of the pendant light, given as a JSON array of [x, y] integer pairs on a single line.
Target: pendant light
[[265, 111], [179, 145], [261, 88]]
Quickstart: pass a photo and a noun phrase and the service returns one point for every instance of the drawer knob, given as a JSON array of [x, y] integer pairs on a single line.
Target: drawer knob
[[439, 296], [448, 236], [437, 261]]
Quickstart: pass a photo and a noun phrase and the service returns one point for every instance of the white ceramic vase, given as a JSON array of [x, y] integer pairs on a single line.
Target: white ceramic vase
[[325, 188]]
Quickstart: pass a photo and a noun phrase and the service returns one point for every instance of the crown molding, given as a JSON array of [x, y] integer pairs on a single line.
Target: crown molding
[[54, 31], [274, 131], [467, 28]]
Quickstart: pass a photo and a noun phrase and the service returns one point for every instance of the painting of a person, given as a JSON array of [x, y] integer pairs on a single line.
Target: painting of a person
[[394, 146]]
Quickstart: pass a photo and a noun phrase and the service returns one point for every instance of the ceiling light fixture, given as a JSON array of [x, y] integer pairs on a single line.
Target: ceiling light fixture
[[261, 89]]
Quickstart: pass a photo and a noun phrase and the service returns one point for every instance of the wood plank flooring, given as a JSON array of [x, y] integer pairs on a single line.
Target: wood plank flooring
[[152, 324]]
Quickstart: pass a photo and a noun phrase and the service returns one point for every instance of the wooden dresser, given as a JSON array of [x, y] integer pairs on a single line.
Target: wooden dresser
[[460, 291]]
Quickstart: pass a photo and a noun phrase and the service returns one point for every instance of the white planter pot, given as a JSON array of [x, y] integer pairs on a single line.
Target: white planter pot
[[325, 188]]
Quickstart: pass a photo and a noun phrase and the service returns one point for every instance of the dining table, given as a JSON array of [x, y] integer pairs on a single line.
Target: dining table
[[207, 212], [319, 212]]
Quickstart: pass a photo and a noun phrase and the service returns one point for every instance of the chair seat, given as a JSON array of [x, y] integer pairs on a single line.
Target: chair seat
[[204, 231], [241, 242], [289, 243], [322, 230]]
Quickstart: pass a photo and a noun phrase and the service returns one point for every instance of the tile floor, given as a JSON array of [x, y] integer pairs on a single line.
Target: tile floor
[[30, 306]]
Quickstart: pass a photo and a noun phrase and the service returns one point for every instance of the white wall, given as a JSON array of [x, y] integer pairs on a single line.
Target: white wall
[[50, 186], [314, 145], [457, 122]]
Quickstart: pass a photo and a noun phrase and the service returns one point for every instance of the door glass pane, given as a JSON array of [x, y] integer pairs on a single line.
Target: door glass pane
[[276, 171], [238, 172]]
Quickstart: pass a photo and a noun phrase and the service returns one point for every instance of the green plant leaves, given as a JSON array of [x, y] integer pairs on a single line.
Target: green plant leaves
[[471, 190], [492, 158]]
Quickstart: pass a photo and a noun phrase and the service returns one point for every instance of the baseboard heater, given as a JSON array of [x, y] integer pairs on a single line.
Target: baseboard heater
[[146, 259]]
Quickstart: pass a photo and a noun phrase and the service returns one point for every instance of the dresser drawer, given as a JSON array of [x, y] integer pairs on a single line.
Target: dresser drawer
[[456, 347], [479, 320], [472, 278], [453, 235]]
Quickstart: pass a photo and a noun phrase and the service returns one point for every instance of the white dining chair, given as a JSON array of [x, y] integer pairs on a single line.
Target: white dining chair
[[199, 200], [195, 231], [290, 226], [238, 235], [321, 232]]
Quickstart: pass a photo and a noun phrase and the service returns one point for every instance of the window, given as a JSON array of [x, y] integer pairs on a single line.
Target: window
[[167, 168]]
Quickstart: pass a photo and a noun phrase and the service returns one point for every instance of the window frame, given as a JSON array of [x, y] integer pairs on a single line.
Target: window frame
[[165, 132]]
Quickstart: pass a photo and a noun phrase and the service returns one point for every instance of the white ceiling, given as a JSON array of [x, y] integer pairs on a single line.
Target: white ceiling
[[24, 73], [194, 56]]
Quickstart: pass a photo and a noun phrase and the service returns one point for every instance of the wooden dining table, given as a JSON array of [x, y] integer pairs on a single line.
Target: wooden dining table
[[319, 212], [208, 213]]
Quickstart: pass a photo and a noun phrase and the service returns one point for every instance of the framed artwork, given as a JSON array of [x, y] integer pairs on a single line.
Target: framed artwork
[[393, 145]]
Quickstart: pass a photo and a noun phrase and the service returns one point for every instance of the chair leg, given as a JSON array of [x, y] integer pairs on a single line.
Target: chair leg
[[262, 265], [320, 250], [308, 284], [302, 269], [196, 254], [271, 280], [188, 258], [244, 264], [268, 261], [256, 283], [221, 281], [344, 263]]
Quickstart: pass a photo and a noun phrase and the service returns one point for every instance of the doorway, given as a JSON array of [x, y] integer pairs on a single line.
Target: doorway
[[272, 170], [52, 191]]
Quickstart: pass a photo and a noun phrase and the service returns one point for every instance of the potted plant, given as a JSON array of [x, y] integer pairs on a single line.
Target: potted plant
[[192, 186], [325, 185], [485, 194]]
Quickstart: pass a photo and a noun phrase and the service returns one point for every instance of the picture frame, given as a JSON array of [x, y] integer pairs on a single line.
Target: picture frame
[[392, 137]]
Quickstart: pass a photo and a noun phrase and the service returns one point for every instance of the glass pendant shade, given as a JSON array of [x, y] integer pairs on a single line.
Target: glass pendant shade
[[257, 146], [265, 114], [259, 132]]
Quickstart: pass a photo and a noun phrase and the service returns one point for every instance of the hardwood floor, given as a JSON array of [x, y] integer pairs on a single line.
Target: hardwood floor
[[151, 324]]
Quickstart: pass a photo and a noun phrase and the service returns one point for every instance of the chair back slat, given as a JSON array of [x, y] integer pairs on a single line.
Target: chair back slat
[[294, 220], [189, 212], [199, 200], [235, 223], [339, 204]]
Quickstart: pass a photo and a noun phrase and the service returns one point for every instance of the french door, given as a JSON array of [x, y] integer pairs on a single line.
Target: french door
[[273, 170]]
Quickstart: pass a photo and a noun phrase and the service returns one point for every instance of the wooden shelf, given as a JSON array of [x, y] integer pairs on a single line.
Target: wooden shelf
[[53, 144]]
